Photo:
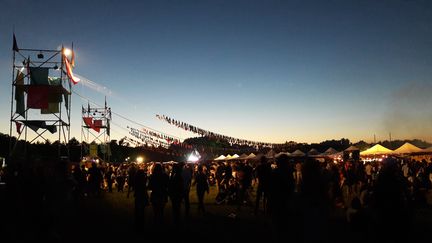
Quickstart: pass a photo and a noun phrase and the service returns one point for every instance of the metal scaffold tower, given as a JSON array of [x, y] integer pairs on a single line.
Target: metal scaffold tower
[[95, 132], [40, 99]]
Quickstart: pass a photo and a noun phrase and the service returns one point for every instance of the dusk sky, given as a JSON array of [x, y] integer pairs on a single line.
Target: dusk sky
[[271, 71]]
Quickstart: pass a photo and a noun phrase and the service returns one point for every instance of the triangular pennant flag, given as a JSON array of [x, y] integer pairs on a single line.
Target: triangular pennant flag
[[18, 127], [74, 79], [15, 45]]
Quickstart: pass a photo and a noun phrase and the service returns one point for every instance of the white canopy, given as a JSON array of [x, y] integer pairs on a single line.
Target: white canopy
[[313, 152], [222, 157], [235, 156], [330, 151], [408, 148], [251, 156], [377, 149], [352, 148], [297, 153]]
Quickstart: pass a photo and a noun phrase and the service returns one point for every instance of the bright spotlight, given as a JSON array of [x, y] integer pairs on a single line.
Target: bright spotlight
[[140, 160], [67, 52], [194, 157]]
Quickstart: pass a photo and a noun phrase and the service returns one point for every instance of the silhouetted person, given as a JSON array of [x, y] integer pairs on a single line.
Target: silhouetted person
[[131, 175], [187, 182], [175, 191], [390, 204], [141, 198], [263, 173], [120, 179], [315, 202], [109, 177], [158, 184], [81, 181], [95, 179], [281, 191], [202, 186]]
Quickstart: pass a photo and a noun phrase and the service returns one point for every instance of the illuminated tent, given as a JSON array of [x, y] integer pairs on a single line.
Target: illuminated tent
[[329, 151], [408, 148], [235, 156], [297, 153], [377, 149], [313, 152], [282, 153], [251, 156], [222, 157], [243, 156], [351, 149], [428, 150], [228, 157]]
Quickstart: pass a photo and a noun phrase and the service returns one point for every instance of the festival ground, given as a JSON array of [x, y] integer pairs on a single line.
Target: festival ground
[[110, 219]]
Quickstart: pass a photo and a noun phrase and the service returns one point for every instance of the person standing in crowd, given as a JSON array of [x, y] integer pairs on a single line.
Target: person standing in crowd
[[131, 175], [175, 191], [281, 191], [187, 173], [95, 179], [120, 179], [158, 184], [262, 173], [141, 198], [109, 177], [202, 186]]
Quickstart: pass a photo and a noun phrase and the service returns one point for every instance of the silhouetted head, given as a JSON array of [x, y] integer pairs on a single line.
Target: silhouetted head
[[157, 169], [263, 160], [282, 161]]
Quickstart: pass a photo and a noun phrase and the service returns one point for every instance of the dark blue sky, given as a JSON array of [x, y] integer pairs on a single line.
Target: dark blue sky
[[261, 70]]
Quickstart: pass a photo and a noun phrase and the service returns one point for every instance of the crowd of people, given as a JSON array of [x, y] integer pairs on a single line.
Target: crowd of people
[[294, 194]]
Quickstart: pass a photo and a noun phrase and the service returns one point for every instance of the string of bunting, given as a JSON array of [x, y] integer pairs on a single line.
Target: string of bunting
[[150, 137], [187, 127]]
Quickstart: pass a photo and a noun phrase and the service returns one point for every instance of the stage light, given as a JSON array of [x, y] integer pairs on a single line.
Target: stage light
[[139, 160], [67, 52], [56, 67], [40, 55]]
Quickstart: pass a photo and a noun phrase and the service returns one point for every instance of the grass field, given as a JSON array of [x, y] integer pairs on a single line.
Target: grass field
[[110, 219]]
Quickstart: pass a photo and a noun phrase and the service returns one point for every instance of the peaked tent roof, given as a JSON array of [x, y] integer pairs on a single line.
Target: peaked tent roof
[[222, 157], [235, 156], [251, 156], [242, 156], [313, 152], [427, 150], [297, 153], [330, 151], [408, 148], [352, 148], [376, 149]]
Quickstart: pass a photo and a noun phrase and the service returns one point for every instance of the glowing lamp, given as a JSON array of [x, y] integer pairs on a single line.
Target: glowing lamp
[[67, 52], [139, 160]]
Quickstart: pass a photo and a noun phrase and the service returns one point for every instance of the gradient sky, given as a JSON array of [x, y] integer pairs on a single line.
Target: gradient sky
[[270, 71]]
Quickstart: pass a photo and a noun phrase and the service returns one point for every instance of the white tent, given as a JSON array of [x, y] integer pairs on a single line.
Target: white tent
[[243, 156], [329, 151], [222, 157], [297, 153], [408, 148], [235, 156], [377, 149], [427, 150], [313, 152], [251, 156], [351, 149]]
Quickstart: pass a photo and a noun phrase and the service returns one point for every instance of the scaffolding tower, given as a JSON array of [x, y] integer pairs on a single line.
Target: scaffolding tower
[[95, 131], [40, 100]]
